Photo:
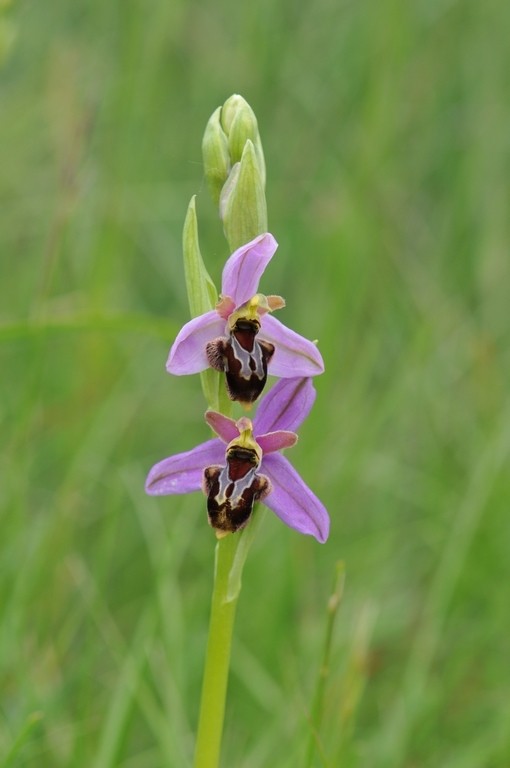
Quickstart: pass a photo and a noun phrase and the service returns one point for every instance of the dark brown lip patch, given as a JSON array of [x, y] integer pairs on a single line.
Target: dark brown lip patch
[[232, 490], [243, 358]]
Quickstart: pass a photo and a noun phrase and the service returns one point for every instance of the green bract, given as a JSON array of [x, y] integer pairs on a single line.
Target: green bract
[[202, 293]]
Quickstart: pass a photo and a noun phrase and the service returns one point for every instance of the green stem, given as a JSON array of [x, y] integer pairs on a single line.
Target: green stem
[[231, 553], [214, 686]]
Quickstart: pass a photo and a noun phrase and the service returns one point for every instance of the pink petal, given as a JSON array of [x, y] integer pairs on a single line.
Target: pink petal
[[187, 354], [285, 406], [184, 472], [292, 500], [276, 441], [223, 426], [294, 355], [225, 307], [243, 270]]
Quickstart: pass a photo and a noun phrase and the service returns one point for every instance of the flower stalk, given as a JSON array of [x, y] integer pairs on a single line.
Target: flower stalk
[[224, 147]]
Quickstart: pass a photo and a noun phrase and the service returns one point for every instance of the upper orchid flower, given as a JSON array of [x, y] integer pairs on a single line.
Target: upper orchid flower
[[239, 336], [230, 476]]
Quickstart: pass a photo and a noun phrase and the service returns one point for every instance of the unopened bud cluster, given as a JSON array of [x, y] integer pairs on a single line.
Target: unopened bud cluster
[[235, 170]]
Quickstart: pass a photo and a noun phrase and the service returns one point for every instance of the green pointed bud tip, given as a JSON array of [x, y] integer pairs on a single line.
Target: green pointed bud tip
[[215, 154], [234, 105]]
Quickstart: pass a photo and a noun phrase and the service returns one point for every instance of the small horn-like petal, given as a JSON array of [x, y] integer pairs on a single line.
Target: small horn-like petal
[[223, 426], [276, 441]]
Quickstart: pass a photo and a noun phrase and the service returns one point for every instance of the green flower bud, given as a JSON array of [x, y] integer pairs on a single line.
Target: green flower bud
[[240, 125], [235, 170], [215, 153], [243, 202]]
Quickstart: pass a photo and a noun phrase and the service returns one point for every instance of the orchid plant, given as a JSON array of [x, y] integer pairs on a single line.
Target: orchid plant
[[235, 336]]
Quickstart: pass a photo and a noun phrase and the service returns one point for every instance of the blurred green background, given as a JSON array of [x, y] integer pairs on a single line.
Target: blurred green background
[[385, 126]]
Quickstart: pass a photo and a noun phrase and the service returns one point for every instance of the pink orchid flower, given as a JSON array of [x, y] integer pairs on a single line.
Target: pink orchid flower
[[240, 336], [243, 465]]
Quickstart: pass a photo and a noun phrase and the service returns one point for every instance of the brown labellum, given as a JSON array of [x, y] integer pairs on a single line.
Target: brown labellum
[[243, 358], [232, 490]]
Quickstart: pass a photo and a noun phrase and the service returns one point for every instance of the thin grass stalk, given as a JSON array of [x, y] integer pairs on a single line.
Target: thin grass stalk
[[317, 710]]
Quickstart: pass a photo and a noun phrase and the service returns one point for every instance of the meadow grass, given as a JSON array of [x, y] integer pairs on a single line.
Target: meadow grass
[[385, 129]]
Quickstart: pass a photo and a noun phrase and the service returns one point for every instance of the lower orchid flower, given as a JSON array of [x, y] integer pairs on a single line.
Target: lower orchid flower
[[242, 465], [240, 336]]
